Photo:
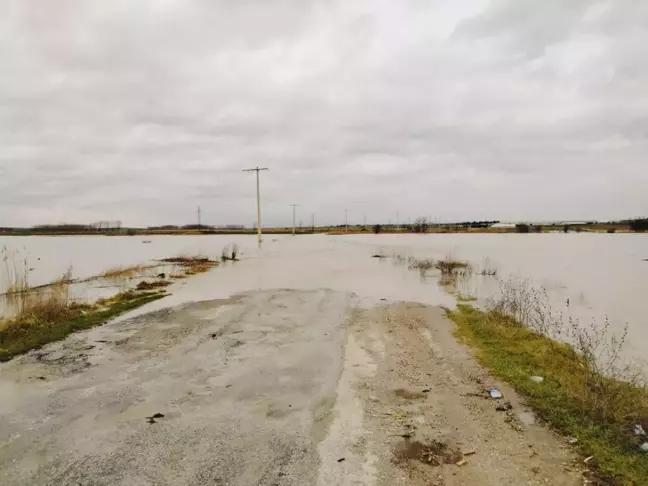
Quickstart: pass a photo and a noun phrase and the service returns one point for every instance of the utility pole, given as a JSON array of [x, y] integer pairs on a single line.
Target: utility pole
[[346, 220], [199, 225], [294, 206], [257, 170]]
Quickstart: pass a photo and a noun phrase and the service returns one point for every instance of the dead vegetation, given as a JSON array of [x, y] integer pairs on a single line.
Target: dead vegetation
[[191, 264], [449, 268], [229, 253], [120, 273], [157, 284]]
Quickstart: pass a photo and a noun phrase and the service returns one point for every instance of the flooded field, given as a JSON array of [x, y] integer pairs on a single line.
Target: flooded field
[[598, 274]]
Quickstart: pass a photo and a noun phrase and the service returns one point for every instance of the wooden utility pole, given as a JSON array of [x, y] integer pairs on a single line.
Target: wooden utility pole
[[294, 206], [257, 170]]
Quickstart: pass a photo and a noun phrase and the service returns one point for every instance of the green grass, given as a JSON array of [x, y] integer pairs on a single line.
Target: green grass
[[20, 336], [600, 417]]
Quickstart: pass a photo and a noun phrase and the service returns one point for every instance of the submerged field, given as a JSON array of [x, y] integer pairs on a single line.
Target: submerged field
[[187, 327]]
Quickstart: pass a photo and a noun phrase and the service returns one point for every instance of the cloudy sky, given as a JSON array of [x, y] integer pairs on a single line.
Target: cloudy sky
[[141, 110]]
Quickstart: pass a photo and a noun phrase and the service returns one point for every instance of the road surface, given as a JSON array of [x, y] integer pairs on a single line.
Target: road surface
[[272, 387]]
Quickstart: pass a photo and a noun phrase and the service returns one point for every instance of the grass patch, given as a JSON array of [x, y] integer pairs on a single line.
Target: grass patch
[[32, 331], [574, 397]]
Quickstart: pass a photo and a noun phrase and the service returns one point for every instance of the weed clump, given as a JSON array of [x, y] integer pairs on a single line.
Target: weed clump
[[450, 267], [229, 253]]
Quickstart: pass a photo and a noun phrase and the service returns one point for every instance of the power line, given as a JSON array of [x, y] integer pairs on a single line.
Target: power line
[[257, 170]]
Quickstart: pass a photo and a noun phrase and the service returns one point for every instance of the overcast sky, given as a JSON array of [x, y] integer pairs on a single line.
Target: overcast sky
[[140, 111]]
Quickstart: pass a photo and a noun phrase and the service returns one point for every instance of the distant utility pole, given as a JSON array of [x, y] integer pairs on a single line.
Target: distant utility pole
[[199, 225], [294, 206], [257, 170], [346, 220]]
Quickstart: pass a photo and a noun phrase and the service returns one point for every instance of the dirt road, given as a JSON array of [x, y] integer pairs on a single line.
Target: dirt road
[[270, 388]]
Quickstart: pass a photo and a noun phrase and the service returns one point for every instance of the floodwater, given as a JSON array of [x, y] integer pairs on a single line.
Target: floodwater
[[601, 274]]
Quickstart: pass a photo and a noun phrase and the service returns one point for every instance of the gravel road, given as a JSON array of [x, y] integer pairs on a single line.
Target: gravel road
[[272, 387]]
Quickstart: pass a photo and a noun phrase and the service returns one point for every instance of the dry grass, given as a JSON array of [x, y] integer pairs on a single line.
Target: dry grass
[[120, 273], [191, 264], [14, 273]]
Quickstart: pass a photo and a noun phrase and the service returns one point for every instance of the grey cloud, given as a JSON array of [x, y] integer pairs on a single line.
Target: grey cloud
[[141, 111]]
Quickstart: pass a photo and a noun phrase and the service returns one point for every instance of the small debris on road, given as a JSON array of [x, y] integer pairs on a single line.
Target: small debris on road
[[341, 459], [504, 406], [469, 453], [151, 419], [588, 459], [463, 462], [495, 394]]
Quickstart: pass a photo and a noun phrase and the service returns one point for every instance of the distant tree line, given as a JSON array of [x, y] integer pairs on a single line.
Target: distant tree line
[[638, 224]]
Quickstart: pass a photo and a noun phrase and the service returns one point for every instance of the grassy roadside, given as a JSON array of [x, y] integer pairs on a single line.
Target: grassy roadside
[[573, 398], [26, 333], [47, 313]]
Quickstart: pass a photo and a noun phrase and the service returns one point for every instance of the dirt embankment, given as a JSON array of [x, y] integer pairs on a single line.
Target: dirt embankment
[[268, 388]]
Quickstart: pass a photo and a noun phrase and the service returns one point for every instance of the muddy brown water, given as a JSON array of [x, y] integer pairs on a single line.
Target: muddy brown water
[[601, 275]]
